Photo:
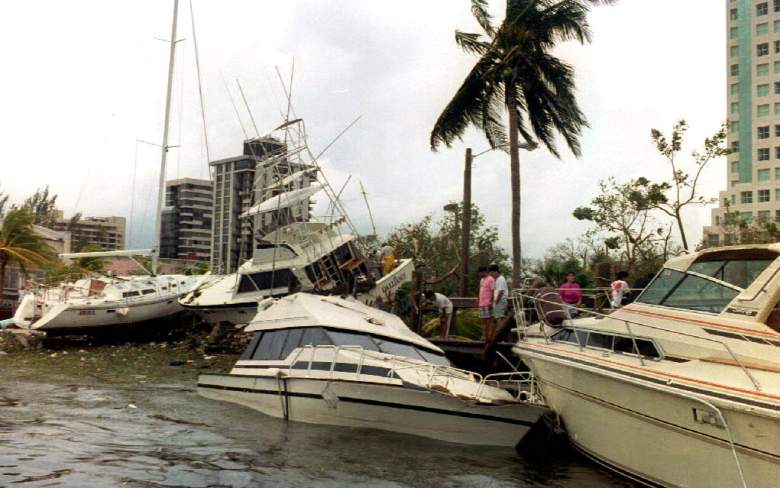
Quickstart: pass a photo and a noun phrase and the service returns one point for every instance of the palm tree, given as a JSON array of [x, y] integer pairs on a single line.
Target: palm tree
[[516, 72], [19, 244]]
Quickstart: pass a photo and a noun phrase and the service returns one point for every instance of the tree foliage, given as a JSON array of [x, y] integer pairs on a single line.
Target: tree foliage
[[20, 245], [42, 205], [436, 246]]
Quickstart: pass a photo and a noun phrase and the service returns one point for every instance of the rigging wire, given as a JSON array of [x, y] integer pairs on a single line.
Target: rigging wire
[[233, 103], [130, 227], [200, 90], [249, 111]]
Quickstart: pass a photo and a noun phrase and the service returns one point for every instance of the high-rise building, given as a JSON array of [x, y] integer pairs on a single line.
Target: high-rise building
[[239, 183], [186, 219], [106, 232], [753, 107]]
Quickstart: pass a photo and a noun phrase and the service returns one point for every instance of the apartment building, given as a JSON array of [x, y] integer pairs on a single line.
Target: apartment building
[[106, 232], [186, 219], [753, 107]]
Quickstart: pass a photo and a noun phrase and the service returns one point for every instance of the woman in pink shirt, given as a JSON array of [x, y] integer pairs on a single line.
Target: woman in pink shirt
[[487, 285], [571, 292]]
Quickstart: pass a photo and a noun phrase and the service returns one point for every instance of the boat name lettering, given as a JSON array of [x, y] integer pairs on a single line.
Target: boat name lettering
[[397, 280], [86, 312]]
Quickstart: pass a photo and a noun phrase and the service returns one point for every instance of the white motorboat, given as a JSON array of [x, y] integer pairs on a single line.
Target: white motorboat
[[92, 303], [327, 360], [681, 387]]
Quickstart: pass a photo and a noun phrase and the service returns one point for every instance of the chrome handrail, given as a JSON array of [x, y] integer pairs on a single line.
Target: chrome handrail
[[628, 323]]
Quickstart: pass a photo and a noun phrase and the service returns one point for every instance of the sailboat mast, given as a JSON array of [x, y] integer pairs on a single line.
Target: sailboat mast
[[164, 151]]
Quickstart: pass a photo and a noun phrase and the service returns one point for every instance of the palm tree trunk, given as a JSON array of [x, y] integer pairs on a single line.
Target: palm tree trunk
[[514, 170]]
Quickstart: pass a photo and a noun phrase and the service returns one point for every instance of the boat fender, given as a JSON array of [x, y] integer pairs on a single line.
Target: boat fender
[[122, 311]]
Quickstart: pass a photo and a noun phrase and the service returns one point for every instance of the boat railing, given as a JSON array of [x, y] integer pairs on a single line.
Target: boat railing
[[519, 298], [432, 375]]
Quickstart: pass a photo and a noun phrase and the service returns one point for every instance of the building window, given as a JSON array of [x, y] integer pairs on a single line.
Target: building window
[[777, 215], [746, 197], [777, 108], [763, 154], [734, 70], [763, 175], [734, 88], [733, 33], [777, 5], [762, 9], [735, 167], [763, 216], [763, 196], [777, 46], [733, 126], [762, 29], [777, 171], [762, 49], [761, 69], [762, 110], [777, 152], [734, 146], [777, 25], [762, 90], [763, 132], [733, 15], [734, 51], [733, 199], [746, 217], [734, 108]]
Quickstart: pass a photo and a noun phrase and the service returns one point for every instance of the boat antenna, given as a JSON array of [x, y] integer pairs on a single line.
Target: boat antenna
[[251, 117], [200, 89], [233, 103], [164, 150], [370, 215]]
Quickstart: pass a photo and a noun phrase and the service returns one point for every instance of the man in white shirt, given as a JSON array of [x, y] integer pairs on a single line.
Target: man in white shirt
[[618, 290], [444, 306], [500, 295]]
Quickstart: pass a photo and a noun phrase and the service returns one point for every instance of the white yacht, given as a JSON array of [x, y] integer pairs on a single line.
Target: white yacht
[[327, 360], [681, 387], [92, 303], [302, 256]]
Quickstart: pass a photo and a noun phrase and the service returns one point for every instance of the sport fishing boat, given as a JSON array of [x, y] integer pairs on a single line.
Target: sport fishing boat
[[679, 388], [328, 360], [294, 251]]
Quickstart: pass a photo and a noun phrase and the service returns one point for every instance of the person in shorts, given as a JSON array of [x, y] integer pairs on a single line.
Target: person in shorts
[[500, 295], [487, 286], [444, 306]]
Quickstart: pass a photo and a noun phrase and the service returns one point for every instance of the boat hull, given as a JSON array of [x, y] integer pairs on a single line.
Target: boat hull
[[375, 406], [86, 317], [655, 434]]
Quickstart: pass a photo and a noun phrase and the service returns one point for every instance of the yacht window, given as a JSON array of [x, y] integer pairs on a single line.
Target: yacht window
[[647, 349], [130, 294], [250, 349], [147, 292], [657, 290], [739, 273], [397, 349], [293, 340], [675, 289], [695, 293], [279, 278], [271, 345], [624, 344], [433, 357], [601, 341], [341, 338], [315, 336]]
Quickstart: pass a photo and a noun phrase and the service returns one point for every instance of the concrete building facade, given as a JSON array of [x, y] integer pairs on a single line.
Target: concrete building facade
[[187, 219], [106, 232], [753, 108], [239, 183]]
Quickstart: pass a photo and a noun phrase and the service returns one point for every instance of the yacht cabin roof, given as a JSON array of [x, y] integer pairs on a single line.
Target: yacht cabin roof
[[308, 310], [682, 263]]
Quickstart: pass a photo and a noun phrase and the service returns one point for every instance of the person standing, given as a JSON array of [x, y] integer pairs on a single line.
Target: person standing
[[571, 293], [444, 306], [618, 290], [487, 287], [387, 257], [500, 295]]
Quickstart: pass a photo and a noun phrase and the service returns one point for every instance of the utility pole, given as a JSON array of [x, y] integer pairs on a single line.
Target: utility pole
[[466, 226]]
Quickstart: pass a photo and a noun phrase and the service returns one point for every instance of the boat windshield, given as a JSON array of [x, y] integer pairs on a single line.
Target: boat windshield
[[682, 290], [738, 272]]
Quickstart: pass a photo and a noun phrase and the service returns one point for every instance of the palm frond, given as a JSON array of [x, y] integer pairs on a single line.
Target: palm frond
[[471, 43], [480, 12]]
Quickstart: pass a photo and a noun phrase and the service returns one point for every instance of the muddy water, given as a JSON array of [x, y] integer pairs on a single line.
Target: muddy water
[[125, 416]]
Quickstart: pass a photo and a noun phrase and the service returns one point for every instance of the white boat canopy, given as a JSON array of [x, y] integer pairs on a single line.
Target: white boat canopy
[[283, 200], [308, 310]]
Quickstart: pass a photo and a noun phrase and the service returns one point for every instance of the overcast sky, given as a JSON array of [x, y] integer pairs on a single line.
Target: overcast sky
[[82, 80]]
